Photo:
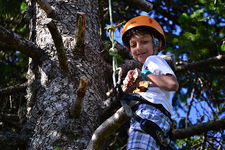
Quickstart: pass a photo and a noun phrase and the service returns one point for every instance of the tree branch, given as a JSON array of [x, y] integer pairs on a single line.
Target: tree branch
[[76, 107], [58, 44], [18, 43], [198, 129], [5, 47], [143, 5], [123, 51], [46, 7], [108, 127], [11, 140], [200, 63], [13, 89], [6, 119], [79, 32]]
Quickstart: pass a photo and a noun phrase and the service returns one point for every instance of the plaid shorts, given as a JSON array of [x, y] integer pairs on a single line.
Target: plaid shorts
[[138, 139]]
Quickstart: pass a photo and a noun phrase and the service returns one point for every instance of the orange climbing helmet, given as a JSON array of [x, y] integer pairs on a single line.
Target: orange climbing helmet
[[147, 22]]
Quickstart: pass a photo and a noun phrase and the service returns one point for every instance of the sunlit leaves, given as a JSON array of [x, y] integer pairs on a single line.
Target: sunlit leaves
[[183, 18], [13, 65], [12, 16], [223, 47], [23, 7]]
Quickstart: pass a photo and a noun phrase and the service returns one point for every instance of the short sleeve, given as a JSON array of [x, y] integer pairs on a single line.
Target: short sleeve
[[157, 65]]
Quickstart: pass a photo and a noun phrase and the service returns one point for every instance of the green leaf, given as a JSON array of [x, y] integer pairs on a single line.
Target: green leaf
[[223, 47], [175, 40], [189, 36], [211, 6], [183, 18], [196, 14], [23, 7], [119, 59]]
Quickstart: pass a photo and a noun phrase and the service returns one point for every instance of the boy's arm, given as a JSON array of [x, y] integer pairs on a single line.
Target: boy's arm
[[167, 82]]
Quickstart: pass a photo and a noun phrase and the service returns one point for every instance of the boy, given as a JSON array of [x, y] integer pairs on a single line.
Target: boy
[[145, 39]]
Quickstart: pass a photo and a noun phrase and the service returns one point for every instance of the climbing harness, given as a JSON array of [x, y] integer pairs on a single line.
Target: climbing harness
[[148, 126]]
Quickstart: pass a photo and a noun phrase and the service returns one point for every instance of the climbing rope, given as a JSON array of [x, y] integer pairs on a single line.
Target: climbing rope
[[113, 51]]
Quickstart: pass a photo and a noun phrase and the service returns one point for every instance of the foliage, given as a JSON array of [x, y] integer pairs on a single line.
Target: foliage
[[197, 33], [13, 64]]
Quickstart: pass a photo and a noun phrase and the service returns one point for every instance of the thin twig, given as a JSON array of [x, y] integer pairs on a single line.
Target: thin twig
[[6, 119], [13, 89]]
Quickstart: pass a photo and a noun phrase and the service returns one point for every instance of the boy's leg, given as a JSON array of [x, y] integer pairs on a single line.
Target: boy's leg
[[137, 137], [140, 140]]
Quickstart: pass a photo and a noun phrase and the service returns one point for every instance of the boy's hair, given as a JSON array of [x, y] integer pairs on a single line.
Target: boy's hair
[[139, 30]]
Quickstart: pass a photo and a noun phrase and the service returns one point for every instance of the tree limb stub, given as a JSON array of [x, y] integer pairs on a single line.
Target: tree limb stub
[[108, 127], [18, 43], [46, 7], [170, 59], [198, 129], [143, 5], [76, 107], [190, 66], [58, 44], [13, 89], [79, 30]]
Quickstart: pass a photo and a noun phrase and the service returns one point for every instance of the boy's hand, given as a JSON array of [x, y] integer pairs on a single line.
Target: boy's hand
[[128, 81]]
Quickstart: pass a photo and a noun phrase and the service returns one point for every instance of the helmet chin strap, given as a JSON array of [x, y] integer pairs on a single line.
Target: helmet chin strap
[[130, 54], [155, 44]]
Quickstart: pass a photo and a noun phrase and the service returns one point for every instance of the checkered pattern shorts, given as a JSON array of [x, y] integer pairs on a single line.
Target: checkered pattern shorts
[[138, 139]]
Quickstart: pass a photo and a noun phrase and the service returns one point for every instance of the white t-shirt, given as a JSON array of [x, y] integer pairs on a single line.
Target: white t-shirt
[[154, 94]]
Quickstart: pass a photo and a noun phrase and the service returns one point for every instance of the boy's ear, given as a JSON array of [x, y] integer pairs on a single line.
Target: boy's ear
[[158, 48], [160, 43]]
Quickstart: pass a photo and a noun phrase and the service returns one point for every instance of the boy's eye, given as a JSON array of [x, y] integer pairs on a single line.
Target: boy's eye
[[133, 45]]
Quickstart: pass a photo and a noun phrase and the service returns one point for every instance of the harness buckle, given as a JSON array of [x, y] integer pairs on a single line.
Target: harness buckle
[[145, 123]]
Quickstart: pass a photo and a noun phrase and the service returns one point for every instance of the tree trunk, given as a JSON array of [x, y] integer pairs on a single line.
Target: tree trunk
[[52, 90]]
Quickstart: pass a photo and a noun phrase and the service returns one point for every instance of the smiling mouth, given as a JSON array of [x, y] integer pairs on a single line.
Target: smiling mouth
[[140, 54]]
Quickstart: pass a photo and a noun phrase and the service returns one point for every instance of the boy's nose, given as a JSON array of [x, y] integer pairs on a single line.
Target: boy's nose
[[139, 47]]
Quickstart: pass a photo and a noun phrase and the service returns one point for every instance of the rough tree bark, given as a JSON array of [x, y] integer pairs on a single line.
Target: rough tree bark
[[52, 89], [53, 80]]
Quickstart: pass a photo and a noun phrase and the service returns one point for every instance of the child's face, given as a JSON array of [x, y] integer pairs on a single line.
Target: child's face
[[141, 46]]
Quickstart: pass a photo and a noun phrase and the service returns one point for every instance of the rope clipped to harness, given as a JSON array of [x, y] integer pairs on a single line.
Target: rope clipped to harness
[[117, 71]]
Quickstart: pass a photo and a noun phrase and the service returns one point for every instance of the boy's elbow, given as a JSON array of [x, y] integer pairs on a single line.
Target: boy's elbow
[[174, 86]]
